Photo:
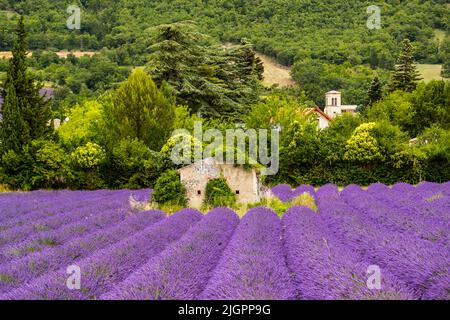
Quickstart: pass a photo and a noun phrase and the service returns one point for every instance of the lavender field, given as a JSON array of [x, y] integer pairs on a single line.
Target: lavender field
[[125, 253]]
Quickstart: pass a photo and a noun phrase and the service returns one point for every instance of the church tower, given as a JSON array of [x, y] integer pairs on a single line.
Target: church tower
[[333, 103], [334, 106]]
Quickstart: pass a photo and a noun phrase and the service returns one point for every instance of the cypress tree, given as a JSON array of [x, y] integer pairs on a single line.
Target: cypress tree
[[25, 114], [14, 132], [375, 91], [405, 76]]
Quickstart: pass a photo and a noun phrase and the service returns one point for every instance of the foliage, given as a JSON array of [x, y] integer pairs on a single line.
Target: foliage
[[219, 194], [396, 108], [375, 91], [51, 170], [363, 146], [80, 127], [275, 111], [133, 165], [139, 110], [405, 76], [431, 103], [89, 156], [169, 190], [434, 142], [212, 81], [25, 114], [316, 78]]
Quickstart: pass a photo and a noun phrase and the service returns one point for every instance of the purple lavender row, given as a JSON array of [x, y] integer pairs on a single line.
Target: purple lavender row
[[23, 232], [183, 270], [37, 214], [143, 195], [285, 193], [23, 270], [98, 218], [102, 270], [253, 265], [326, 270], [33, 229], [14, 214], [326, 193], [61, 205], [409, 217], [54, 202], [432, 188], [384, 212], [408, 258]]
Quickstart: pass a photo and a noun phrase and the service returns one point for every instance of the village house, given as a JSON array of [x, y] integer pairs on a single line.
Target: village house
[[246, 183]]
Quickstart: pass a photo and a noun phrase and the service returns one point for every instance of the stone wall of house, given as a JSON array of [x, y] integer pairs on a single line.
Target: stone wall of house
[[243, 181]]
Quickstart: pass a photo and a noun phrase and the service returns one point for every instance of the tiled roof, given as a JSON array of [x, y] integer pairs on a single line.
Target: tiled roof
[[44, 91]]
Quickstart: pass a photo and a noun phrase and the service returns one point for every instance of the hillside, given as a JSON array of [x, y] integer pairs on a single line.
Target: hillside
[[288, 30], [275, 73]]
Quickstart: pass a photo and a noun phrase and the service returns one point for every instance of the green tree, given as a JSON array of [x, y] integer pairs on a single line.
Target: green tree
[[211, 80], [139, 110], [397, 108], [375, 91], [169, 190], [82, 122], [14, 131], [26, 115], [405, 76], [431, 103], [362, 145]]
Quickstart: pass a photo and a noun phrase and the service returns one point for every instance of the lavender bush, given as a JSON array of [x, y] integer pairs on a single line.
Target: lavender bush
[[183, 270], [253, 266]]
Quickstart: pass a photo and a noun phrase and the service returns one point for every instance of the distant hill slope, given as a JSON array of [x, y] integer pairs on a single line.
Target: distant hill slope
[[334, 31], [275, 73]]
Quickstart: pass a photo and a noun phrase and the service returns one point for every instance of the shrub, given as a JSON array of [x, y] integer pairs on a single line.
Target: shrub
[[89, 156], [273, 203], [134, 165], [219, 194], [87, 161], [305, 200], [51, 167], [169, 190]]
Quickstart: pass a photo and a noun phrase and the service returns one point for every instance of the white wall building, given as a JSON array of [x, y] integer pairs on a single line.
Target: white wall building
[[334, 107]]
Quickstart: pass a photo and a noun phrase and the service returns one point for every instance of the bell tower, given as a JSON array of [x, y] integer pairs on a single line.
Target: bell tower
[[333, 103]]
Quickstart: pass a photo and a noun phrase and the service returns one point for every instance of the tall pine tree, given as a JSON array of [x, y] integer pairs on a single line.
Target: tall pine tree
[[375, 91], [405, 76], [25, 114], [211, 80]]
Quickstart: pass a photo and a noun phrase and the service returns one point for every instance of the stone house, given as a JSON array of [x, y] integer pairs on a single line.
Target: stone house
[[246, 183]]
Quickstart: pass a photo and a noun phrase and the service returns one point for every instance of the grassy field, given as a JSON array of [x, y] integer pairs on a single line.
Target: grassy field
[[430, 71], [440, 35], [275, 73]]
